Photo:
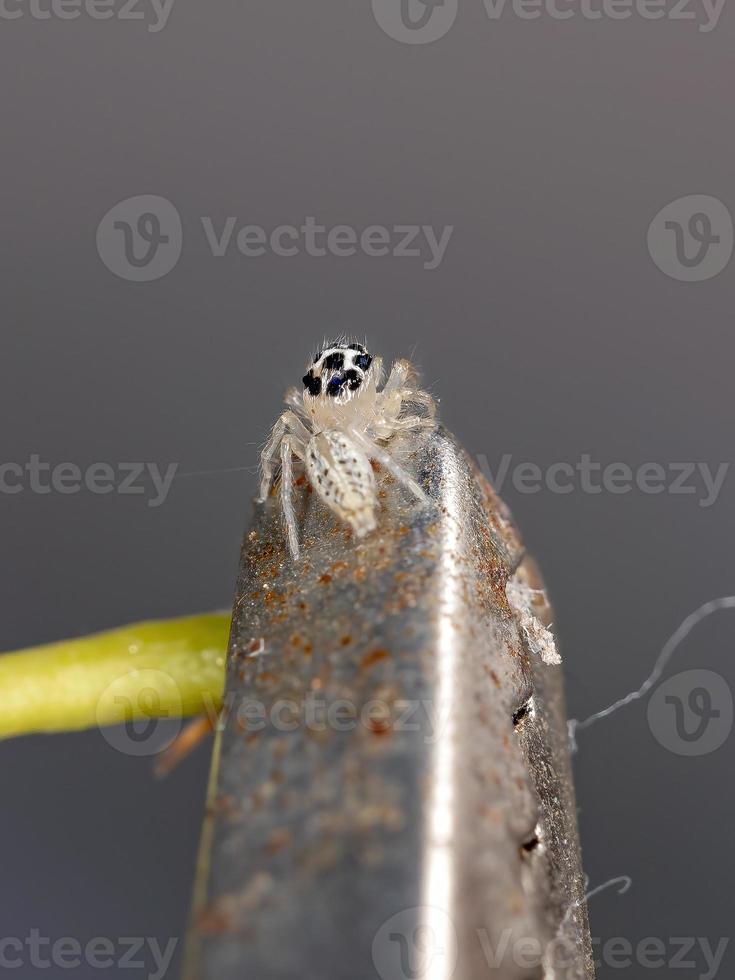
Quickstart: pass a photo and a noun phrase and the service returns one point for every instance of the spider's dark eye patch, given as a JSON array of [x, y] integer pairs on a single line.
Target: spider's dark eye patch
[[358, 347], [335, 385], [313, 385], [363, 361], [353, 380], [333, 362]]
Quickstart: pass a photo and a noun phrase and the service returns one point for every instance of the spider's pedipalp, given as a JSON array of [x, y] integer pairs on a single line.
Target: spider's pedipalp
[[400, 375]]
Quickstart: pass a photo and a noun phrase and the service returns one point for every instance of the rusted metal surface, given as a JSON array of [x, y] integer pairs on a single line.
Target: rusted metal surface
[[393, 797]]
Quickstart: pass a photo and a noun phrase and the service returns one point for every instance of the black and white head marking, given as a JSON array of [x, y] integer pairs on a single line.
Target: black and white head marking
[[337, 371]]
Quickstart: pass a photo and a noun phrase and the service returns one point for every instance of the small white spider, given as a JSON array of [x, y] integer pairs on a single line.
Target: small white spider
[[335, 426]]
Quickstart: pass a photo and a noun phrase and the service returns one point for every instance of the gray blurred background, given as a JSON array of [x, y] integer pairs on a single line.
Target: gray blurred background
[[547, 331]]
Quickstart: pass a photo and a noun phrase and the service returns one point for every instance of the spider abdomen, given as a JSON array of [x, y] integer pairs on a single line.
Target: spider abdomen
[[341, 474]]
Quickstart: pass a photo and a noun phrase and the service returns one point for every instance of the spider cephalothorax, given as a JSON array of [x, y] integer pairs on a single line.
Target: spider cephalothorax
[[337, 371], [336, 425]]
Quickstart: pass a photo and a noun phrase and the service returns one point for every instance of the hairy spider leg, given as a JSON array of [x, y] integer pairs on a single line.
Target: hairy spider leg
[[374, 451]]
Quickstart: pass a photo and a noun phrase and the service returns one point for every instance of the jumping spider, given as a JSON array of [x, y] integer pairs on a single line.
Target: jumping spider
[[339, 423]]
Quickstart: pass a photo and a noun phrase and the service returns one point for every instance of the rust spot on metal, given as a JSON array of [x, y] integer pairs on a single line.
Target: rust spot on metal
[[325, 579], [379, 726], [278, 840], [277, 597], [373, 657], [267, 677], [223, 804], [218, 917]]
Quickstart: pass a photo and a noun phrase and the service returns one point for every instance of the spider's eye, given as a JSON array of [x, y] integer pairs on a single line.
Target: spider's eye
[[363, 361], [353, 380], [335, 385], [333, 362], [313, 385]]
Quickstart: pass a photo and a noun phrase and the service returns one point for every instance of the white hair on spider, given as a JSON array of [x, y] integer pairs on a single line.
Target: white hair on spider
[[342, 419]]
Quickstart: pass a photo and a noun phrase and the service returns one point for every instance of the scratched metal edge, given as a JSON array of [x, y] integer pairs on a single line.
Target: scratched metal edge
[[541, 743], [545, 745], [192, 949]]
